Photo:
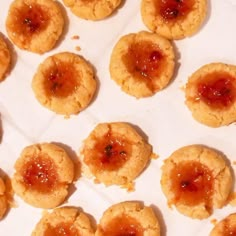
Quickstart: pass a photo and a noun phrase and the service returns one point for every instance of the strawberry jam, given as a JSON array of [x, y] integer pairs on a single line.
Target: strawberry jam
[[109, 153], [217, 90], [40, 174], [229, 229], [62, 229], [191, 183], [60, 79], [123, 226], [172, 10]]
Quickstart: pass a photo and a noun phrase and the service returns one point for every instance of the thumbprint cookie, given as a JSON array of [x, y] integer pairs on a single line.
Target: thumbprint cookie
[[3, 199], [64, 83], [174, 19], [115, 154], [226, 227], [211, 94], [43, 174], [68, 221], [35, 25], [142, 63], [5, 58], [196, 180], [128, 218], [92, 9]]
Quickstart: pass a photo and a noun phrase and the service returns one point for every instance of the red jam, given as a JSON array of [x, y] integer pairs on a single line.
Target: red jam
[[60, 79], [192, 183], [40, 174], [109, 153], [229, 229], [123, 226], [63, 229], [217, 90], [172, 10]]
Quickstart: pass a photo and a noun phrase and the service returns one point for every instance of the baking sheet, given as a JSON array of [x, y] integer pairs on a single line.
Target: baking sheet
[[163, 118]]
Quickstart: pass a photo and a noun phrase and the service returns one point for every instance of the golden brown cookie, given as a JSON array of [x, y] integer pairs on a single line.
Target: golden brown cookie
[[92, 9], [35, 25], [64, 221], [196, 179], [211, 94], [142, 63], [3, 199], [174, 19], [128, 218], [114, 153], [226, 227], [43, 173], [64, 83], [5, 58]]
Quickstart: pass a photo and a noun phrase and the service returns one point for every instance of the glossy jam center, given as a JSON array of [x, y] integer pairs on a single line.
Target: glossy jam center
[[40, 174], [60, 79], [175, 9], [110, 153], [229, 228], [192, 183], [123, 226], [217, 90], [63, 229]]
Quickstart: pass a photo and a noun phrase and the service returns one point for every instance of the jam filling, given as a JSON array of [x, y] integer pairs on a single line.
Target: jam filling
[[40, 174], [109, 153], [171, 10], [192, 183], [229, 229], [217, 90], [60, 79], [62, 229], [123, 226]]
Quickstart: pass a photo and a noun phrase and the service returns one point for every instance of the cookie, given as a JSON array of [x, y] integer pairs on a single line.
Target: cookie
[[196, 180], [174, 19], [226, 227], [64, 221], [64, 83], [5, 58], [142, 63], [43, 173], [128, 218], [92, 9], [35, 25], [3, 199], [115, 154], [211, 94]]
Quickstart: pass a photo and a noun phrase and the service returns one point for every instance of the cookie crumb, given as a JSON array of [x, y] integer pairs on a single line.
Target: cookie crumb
[[78, 48], [75, 37]]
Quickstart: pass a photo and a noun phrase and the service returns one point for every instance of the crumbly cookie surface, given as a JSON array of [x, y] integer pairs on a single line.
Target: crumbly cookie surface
[[5, 58], [43, 173], [92, 9], [142, 63], [3, 199], [64, 221], [35, 25], [196, 180], [115, 154], [64, 83], [211, 94], [128, 218], [174, 19]]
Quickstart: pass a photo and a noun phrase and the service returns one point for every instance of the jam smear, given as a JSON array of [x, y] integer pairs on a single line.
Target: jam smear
[[229, 228], [123, 226], [40, 173], [217, 90], [62, 229], [192, 183], [145, 61], [109, 153], [172, 10], [61, 79]]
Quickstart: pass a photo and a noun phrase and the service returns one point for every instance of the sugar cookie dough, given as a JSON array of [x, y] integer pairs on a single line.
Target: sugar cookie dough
[[196, 180], [35, 25], [115, 154], [211, 94], [64, 83], [142, 63], [43, 173], [128, 218], [174, 19]]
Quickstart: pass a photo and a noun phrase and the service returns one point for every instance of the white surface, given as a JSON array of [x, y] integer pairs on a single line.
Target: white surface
[[163, 118]]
